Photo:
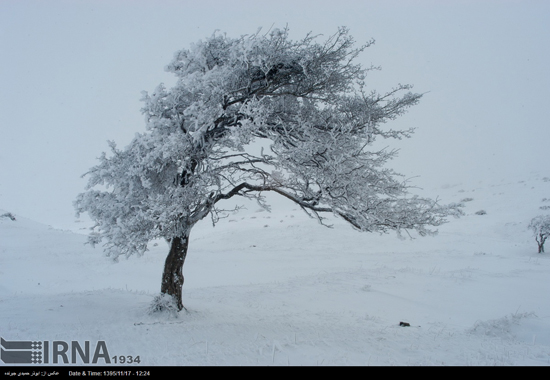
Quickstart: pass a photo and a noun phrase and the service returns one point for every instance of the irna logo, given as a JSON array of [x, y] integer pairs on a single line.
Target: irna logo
[[56, 352]]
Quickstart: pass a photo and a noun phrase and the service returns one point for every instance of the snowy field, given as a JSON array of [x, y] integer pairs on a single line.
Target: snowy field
[[280, 289]]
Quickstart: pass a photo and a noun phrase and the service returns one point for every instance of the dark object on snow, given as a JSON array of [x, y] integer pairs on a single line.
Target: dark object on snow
[[404, 324], [8, 215], [481, 212]]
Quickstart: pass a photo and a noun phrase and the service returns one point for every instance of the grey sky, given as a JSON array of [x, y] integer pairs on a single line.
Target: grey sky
[[72, 73]]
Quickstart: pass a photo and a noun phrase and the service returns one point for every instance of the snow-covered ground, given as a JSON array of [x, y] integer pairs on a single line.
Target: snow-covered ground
[[279, 289]]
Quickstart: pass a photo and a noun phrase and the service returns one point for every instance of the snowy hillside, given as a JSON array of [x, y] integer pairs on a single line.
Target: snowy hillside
[[279, 289]]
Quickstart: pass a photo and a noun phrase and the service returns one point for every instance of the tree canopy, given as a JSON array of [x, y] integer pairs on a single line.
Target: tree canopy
[[540, 226], [306, 101]]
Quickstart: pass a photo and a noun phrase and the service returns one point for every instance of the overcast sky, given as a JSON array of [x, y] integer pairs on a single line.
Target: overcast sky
[[72, 73]]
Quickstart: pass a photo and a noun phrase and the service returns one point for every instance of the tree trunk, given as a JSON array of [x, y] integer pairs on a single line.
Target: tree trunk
[[541, 242], [172, 278]]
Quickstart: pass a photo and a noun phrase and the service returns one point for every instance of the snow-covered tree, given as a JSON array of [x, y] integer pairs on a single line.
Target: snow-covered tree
[[308, 103], [540, 226]]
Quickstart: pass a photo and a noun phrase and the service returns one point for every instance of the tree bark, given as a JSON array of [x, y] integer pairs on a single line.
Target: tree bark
[[541, 242], [172, 278]]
